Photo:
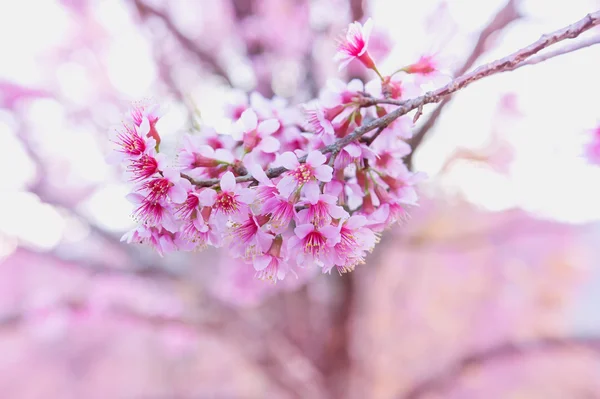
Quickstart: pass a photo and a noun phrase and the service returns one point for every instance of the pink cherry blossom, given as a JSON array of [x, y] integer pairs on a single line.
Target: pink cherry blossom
[[170, 186], [249, 238], [305, 175], [194, 155], [257, 135], [271, 265], [355, 44], [233, 200], [322, 211], [355, 240], [313, 244]]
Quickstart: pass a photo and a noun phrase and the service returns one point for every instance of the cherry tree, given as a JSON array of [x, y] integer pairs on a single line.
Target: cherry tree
[[331, 264]]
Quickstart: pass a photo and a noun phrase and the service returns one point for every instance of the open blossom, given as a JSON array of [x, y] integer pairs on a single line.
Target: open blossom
[[354, 45], [257, 135], [271, 265], [312, 245], [145, 115], [322, 211], [249, 238], [195, 155], [355, 240], [233, 200], [305, 175], [169, 186]]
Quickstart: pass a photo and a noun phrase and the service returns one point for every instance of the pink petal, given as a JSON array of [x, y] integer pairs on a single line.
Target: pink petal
[[135, 198], [289, 160], [169, 222], [246, 195], [269, 145], [332, 233], [353, 150], [178, 193], [316, 158], [268, 127], [207, 197], [264, 240], [223, 155], [311, 191], [228, 182], [144, 127], [261, 262], [324, 173], [356, 221], [172, 175], [366, 34], [337, 212], [258, 173], [303, 230], [249, 120], [345, 60], [286, 185]]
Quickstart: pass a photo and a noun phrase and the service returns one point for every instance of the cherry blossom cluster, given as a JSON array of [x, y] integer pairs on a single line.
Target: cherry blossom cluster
[[282, 189]]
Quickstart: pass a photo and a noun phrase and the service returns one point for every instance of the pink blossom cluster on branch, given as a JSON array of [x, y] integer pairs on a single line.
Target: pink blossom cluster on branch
[[286, 190], [281, 190]]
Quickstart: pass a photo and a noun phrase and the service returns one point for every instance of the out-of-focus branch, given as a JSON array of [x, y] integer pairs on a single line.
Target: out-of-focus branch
[[271, 352], [357, 9], [202, 55], [502, 19], [507, 63], [495, 354]]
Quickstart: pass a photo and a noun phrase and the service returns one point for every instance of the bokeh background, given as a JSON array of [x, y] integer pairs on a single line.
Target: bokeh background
[[490, 290]]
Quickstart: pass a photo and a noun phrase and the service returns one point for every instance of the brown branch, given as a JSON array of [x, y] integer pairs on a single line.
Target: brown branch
[[588, 42], [201, 54], [497, 353], [505, 64], [503, 18]]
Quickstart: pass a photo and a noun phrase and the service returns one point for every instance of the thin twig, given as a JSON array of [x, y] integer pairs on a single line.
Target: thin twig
[[502, 19], [497, 353], [505, 64], [588, 42]]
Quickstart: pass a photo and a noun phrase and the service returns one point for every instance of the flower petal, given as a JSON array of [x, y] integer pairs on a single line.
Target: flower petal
[[178, 193], [311, 191], [324, 173], [207, 197], [286, 186], [269, 145], [268, 127], [228, 182], [289, 160], [249, 119], [144, 128], [258, 173], [303, 230], [261, 262], [315, 158], [246, 195]]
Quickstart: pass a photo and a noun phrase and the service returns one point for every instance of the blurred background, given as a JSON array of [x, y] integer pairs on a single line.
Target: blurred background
[[490, 290]]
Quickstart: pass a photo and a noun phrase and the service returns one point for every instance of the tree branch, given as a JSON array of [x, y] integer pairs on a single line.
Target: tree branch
[[202, 55], [588, 42], [503, 18], [497, 353], [505, 64]]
